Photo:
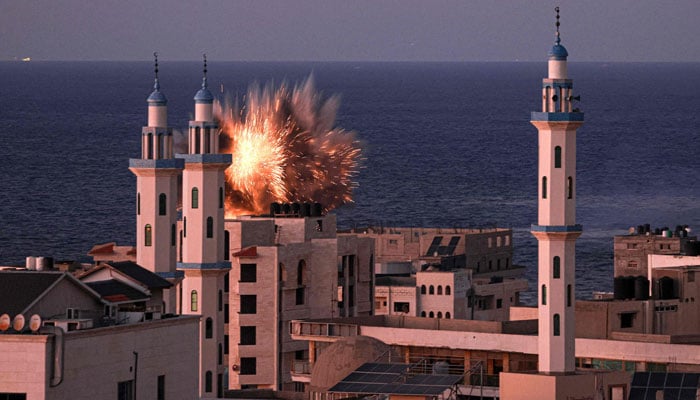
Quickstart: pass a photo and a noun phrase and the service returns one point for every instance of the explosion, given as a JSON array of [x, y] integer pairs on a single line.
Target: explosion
[[285, 149]]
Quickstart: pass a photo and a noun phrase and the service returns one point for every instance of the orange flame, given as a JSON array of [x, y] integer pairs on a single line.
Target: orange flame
[[285, 149]]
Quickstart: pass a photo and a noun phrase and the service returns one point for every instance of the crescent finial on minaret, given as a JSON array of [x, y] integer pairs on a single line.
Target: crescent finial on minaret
[[556, 9], [204, 79], [156, 85]]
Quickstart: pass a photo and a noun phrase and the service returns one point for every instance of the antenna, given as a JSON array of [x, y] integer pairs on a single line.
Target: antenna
[[556, 9]]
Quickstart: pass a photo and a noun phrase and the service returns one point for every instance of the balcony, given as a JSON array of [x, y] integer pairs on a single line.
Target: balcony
[[301, 371], [322, 331]]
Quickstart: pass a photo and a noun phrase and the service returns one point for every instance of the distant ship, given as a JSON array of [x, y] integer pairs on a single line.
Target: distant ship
[[27, 59]]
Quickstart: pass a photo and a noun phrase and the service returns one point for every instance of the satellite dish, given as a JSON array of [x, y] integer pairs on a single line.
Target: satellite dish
[[4, 322], [18, 322], [35, 322]]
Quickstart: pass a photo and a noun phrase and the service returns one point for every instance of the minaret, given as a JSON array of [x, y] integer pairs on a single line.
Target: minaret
[[202, 257], [556, 230], [156, 193]]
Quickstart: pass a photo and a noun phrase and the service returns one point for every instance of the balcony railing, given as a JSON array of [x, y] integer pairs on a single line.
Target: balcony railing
[[300, 328], [301, 367]]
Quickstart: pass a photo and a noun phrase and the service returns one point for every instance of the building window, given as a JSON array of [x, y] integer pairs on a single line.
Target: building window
[[247, 336], [227, 285], [220, 300], [173, 235], [162, 204], [627, 319], [207, 382], [544, 295], [447, 315], [138, 203], [691, 276], [221, 197], [249, 304], [300, 294], [226, 314], [402, 307], [195, 198], [439, 314], [226, 339], [184, 228], [193, 301], [499, 303], [569, 289], [439, 290], [431, 315], [209, 328], [448, 290], [319, 225], [570, 187], [125, 390], [544, 187], [227, 246], [161, 388], [300, 272], [210, 227], [249, 272], [555, 322], [248, 366], [422, 314], [422, 289], [282, 273], [431, 289], [220, 354], [556, 266], [557, 157]]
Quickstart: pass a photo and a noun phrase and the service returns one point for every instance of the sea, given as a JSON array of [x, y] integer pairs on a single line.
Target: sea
[[443, 145]]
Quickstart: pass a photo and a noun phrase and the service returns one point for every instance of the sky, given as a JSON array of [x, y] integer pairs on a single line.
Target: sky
[[348, 30]]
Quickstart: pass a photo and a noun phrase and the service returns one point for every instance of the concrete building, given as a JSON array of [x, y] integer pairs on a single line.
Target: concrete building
[[79, 344], [287, 267], [631, 251]]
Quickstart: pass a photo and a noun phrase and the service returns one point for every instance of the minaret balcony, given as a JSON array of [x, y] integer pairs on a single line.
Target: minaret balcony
[[209, 158], [557, 116], [163, 163], [556, 228]]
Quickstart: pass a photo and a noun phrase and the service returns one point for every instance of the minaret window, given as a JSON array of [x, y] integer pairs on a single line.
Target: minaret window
[[138, 203], [207, 382], [447, 315], [431, 289], [209, 328], [448, 291], [557, 157], [221, 354], [555, 324], [422, 314], [544, 295], [439, 290], [197, 140], [221, 197], [195, 198], [556, 267], [149, 146], [162, 204], [431, 315], [210, 227], [220, 300], [570, 187], [544, 187], [184, 228], [173, 235], [439, 314], [422, 289], [568, 295], [193, 301], [148, 231]]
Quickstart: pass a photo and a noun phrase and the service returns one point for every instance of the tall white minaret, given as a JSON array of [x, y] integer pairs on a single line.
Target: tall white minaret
[[202, 258], [156, 194], [556, 230]]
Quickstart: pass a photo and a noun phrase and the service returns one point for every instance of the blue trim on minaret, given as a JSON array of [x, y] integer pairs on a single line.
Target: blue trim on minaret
[[205, 266], [165, 163], [214, 158], [556, 228], [171, 275]]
